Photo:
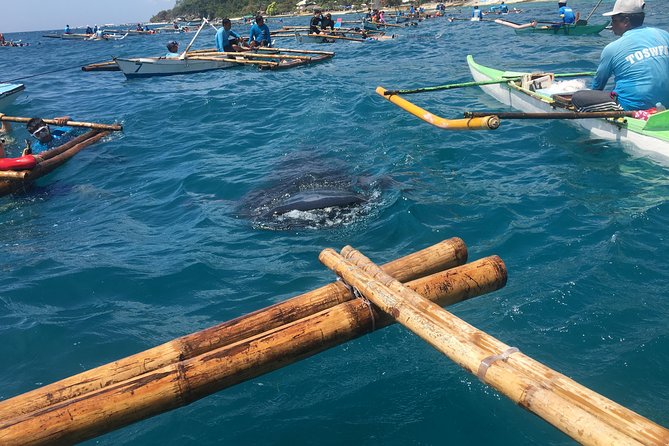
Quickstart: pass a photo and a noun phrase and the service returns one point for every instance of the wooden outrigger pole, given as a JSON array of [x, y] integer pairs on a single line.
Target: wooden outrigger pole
[[579, 412], [223, 356]]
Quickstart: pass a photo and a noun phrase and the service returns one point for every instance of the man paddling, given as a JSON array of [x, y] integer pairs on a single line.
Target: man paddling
[[638, 60], [566, 13]]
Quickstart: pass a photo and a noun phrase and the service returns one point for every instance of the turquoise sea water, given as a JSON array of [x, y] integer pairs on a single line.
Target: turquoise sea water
[[159, 231]]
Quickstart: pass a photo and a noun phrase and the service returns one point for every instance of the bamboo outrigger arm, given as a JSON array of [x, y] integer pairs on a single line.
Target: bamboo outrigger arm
[[479, 123], [579, 412]]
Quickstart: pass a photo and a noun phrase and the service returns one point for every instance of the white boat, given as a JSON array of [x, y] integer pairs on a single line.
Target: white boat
[[8, 93], [649, 138], [159, 66]]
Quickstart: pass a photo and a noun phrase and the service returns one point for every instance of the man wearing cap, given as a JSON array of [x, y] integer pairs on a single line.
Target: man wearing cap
[[566, 13], [172, 50], [638, 60]]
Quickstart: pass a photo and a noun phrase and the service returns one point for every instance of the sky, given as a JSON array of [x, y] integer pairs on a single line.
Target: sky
[[41, 15]]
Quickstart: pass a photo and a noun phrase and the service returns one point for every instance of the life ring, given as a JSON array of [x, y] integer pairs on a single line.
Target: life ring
[[21, 163]]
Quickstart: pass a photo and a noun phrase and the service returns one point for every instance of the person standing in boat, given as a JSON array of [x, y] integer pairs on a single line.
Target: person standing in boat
[[67, 29], [566, 13], [638, 60], [49, 137], [260, 35], [476, 13], [503, 8], [314, 24], [227, 39], [172, 50]]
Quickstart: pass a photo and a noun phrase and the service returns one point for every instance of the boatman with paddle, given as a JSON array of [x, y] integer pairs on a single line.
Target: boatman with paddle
[[639, 60]]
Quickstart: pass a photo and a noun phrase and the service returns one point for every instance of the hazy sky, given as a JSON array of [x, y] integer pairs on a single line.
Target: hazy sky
[[40, 15]]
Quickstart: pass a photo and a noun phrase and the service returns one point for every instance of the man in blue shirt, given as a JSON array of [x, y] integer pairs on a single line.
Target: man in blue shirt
[[566, 13], [260, 34], [173, 50], [639, 60], [48, 137], [226, 38], [476, 13], [503, 8]]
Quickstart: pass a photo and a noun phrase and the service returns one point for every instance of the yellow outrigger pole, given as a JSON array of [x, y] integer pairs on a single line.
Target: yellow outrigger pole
[[478, 123]]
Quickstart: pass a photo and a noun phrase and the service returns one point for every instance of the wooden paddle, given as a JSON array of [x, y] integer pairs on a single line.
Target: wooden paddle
[[90, 125], [477, 83]]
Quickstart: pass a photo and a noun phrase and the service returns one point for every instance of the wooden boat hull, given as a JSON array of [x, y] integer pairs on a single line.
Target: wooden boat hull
[[8, 93], [153, 66], [632, 133], [46, 162], [567, 30], [312, 38]]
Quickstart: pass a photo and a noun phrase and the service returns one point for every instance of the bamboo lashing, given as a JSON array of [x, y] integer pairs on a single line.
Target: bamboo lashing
[[288, 50], [181, 383], [90, 125], [577, 411], [444, 255]]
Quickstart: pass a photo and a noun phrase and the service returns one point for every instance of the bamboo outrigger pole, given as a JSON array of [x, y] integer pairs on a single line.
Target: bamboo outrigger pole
[[484, 123], [443, 255], [181, 383], [576, 410], [90, 125]]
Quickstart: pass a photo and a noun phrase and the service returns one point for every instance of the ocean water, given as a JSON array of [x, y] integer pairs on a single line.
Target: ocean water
[[162, 230]]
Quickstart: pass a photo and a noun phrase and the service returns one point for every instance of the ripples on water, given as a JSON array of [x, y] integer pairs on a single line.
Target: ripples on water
[[151, 234]]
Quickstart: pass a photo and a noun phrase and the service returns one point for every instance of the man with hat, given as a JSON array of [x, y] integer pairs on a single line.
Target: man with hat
[[638, 60], [172, 50], [566, 13]]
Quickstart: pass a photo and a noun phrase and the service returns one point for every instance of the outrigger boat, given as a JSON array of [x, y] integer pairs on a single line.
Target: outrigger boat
[[576, 29], [539, 97], [8, 93], [17, 174], [651, 137], [325, 38], [159, 66]]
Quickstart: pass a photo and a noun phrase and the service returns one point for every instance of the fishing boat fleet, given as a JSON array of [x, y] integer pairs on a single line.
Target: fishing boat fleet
[[518, 90]]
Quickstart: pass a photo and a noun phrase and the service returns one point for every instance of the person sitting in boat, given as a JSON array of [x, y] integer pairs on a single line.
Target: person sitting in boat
[[327, 22], [476, 13], [172, 50], [67, 30], [49, 137], [503, 8], [260, 35], [638, 60], [89, 30], [412, 11], [314, 24], [382, 18], [227, 39], [566, 13]]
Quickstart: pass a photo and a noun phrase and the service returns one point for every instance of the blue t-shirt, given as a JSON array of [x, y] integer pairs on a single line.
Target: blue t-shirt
[[639, 62], [223, 38], [503, 8], [260, 33], [59, 135], [567, 14], [172, 55], [476, 13]]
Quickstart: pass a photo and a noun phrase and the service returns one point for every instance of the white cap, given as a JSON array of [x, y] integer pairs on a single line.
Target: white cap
[[626, 7]]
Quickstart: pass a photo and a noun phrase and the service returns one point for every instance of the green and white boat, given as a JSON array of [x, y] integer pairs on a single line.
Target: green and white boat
[[564, 29], [649, 138]]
